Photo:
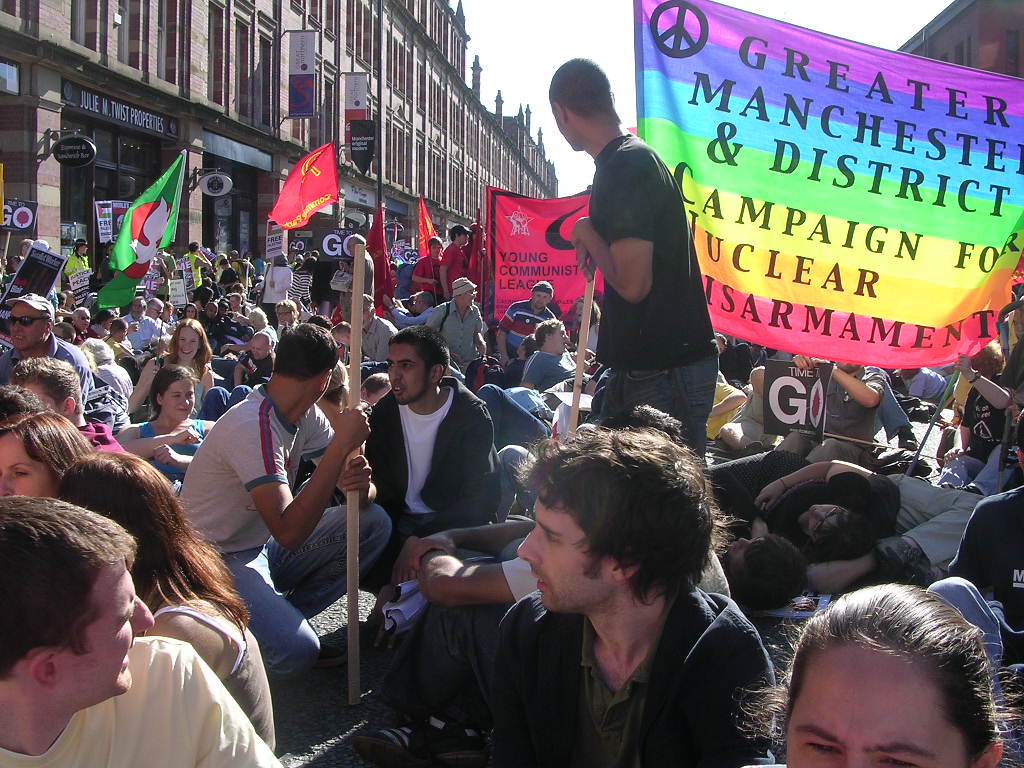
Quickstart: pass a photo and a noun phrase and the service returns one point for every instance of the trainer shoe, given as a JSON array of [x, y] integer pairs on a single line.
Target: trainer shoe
[[404, 747]]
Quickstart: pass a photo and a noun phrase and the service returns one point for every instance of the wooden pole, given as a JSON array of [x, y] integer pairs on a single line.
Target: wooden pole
[[355, 352], [868, 443], [581, 357]]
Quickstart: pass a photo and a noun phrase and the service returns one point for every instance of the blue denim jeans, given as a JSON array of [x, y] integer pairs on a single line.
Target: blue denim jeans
[[686, 392], [889, 414], [283, 589], [513, 424], [218, 400]]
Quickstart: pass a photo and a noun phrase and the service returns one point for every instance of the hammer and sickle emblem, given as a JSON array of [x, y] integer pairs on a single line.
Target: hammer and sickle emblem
[[308, 167]]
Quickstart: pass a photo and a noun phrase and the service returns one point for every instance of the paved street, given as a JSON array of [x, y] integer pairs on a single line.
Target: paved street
[[314, 723]]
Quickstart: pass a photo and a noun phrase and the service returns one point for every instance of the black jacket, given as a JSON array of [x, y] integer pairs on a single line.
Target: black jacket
[[708, 656], [463, 485]]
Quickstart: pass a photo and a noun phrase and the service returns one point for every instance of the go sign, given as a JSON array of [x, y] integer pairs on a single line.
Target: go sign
[[795, 399], [19, 216]]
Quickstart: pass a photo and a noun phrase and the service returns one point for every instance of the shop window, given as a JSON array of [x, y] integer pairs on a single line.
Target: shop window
[[10, 77], [106, 151]]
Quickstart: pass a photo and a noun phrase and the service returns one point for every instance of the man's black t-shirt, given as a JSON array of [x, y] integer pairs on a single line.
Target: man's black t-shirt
[[635, 196], [256, 371], [986, 423]]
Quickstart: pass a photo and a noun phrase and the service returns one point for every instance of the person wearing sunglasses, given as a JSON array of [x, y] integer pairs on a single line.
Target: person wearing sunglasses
[[30, 326]]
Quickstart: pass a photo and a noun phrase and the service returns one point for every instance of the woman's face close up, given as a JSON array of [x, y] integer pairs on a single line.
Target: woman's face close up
[[20, 474], [858, 708]]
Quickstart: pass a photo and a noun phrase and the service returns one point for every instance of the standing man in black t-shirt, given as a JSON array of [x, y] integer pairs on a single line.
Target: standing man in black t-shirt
[[656, 334]]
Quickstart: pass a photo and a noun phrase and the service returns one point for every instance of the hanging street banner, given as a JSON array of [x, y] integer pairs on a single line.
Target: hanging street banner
[[311, 185], [529, 242], [301, 73], [363, 146], [846, 202]]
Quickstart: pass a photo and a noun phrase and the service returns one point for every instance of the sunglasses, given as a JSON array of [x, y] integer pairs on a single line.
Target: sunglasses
[[26, 320]]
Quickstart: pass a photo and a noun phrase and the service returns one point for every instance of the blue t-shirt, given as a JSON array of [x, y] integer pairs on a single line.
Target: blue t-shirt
[[543, 369]]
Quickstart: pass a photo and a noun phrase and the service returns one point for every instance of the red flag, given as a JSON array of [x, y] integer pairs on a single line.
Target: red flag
[[377, 247], [312, 184], [426, 228]]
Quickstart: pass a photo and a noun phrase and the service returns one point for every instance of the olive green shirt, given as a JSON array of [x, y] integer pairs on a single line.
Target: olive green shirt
[[608, 723]]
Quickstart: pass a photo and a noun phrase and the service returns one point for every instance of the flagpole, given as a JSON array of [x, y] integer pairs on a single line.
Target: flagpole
[[380, 104], [581, 356], [355, 351]]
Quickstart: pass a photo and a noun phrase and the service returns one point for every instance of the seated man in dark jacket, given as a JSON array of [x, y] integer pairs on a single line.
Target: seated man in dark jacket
[[621, 659], [431, 444]]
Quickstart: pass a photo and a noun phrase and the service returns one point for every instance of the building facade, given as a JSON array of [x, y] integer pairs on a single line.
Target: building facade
[[983, 34], [144, 79]]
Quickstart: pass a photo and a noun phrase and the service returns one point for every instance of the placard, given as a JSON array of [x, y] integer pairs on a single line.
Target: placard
[[794, 399], [177, 293], [38, 273], [79, 283]]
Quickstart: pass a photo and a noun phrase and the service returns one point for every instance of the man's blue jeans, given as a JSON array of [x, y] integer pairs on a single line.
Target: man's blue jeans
[[513, 424], [686, 392], [283, 589]]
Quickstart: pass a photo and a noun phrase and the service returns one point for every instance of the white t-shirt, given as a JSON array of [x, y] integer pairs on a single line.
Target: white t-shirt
[[177, 714], [420, 433], [520, 578], [248, 446]]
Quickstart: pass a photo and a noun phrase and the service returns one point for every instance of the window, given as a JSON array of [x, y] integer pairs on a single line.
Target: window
[[10, 77], [215, 49], [264, 85], [243, 70], [167, 40], [11, 7], [78, 21], [1013, 52], [329, 20]]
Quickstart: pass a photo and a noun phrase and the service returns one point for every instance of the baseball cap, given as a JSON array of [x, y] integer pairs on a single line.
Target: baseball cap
[[457, 230], [544, 286], [34, 300]]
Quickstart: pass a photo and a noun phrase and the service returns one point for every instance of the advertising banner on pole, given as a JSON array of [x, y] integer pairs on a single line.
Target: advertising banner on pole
[[302, 73], [356, 103]]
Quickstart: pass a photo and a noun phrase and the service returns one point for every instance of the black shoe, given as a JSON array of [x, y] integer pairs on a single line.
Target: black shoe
[[907, 439], [404, 747], [454, 746], [330, 656]]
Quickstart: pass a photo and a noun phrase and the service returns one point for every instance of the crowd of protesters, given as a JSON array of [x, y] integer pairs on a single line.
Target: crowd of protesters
[[185, 473]]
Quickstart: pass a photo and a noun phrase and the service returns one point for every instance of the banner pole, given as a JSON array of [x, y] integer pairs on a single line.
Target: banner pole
[[3, 252], [355, 351], [581, 357]]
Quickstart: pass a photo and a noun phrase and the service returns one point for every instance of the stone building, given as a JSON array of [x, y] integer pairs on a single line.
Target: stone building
[[144, 79]]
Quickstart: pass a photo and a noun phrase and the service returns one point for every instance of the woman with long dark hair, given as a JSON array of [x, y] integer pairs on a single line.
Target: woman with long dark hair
[[181, 578], [172, 437]]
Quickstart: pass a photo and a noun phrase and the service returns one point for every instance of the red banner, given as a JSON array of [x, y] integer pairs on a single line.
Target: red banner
[[312, 184], [529, 242], [377, 247], [426, 229]]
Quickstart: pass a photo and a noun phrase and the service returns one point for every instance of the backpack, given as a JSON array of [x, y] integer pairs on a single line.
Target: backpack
[[484, 370], [106, 405]]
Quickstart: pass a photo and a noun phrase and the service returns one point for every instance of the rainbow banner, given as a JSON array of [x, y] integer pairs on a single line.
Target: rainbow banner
[[846, 202]]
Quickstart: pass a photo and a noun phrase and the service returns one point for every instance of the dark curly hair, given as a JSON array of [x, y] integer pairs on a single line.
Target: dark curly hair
[[640, 498], [774, 573]]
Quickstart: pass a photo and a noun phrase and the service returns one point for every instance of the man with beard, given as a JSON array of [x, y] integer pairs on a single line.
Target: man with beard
[[431, 444]]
